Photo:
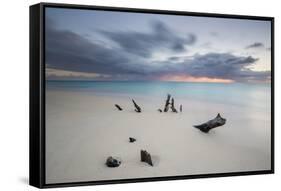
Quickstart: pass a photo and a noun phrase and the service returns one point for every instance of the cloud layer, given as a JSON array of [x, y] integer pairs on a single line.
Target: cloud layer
[[130, 57], [255, 45], [144, 44]]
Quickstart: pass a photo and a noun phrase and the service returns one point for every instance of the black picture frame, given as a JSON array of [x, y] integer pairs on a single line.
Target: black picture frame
[[37, 95]]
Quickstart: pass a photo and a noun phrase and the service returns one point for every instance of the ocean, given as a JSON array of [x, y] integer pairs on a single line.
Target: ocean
[[242, 94]]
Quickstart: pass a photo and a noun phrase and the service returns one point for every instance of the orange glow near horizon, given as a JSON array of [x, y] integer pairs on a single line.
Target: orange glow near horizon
[[183, 78]]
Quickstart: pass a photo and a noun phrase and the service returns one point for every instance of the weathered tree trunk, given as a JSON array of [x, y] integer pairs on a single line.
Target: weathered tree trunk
[[167, 103], [216, 122], [137, 108], [173, 106], [118, 107], [145, 157]]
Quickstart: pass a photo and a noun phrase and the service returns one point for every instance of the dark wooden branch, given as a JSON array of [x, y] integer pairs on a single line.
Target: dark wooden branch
[[137, 108], [173, 106], [216, 122], [167, 103], [118, 107]]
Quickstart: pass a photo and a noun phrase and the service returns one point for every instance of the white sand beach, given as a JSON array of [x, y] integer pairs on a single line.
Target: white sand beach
[[83, 129]]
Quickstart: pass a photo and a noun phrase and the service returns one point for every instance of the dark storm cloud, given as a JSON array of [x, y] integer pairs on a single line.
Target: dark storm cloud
[[223, 65], [70, 51], [143, 44], [255, 45], [212, 65]]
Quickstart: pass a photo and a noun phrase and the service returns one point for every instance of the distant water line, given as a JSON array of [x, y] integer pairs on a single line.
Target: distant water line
[[257, 95]]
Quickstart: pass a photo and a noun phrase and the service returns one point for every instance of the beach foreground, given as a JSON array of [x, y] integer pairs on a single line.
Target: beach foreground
[[83, 129]]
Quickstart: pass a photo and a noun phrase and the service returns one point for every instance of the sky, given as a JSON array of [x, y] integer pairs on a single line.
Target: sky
[[121, 46]]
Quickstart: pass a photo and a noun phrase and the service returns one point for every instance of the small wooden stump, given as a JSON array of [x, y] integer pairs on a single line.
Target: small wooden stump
[[173, 106], [145, 157], [118, 107], [137, 108], [131, 139], [167, 103]]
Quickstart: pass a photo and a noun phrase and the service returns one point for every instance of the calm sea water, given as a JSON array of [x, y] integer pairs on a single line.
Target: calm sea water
[[257, 95]]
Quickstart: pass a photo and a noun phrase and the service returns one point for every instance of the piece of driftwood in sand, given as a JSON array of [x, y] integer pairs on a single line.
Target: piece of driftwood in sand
[[180, 108], [137, 108], [145, 157], [173, 106], [131, 139], [118, 107], [216, 122], [160, 110], [167, 103], [112, 162]]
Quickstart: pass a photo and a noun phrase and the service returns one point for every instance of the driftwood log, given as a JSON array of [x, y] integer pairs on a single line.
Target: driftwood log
[[145, 157], [137, 108], [131, 139], [112, 162], [167, 103], [173, 106], [216, 122], [118, 107]]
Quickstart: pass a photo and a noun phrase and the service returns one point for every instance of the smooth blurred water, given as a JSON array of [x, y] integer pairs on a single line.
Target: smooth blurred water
[[254, 95]]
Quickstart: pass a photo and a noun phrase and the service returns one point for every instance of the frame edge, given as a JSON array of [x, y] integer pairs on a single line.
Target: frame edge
[[35, 136]]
